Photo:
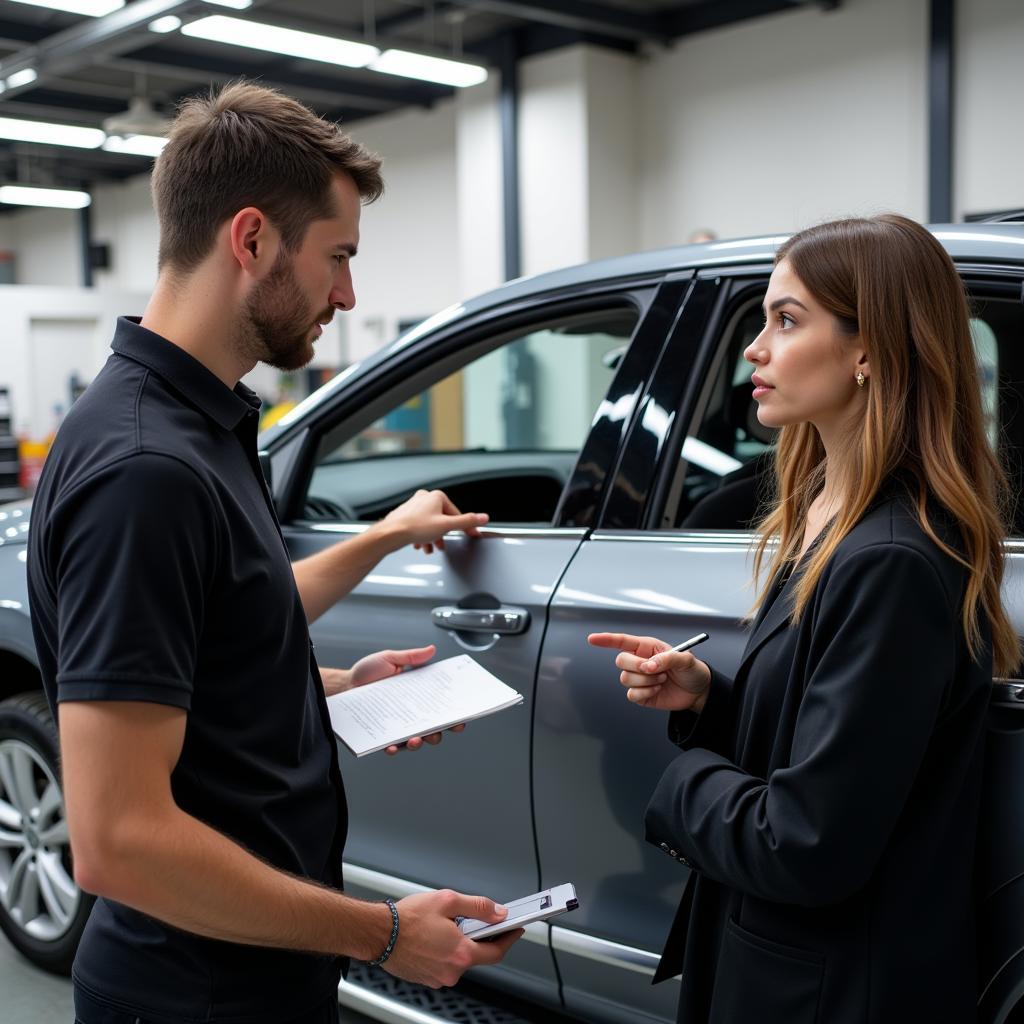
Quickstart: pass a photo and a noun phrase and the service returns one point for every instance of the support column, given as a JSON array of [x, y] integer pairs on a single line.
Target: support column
[[85, 243], [578, 156], [510, 155], [940, 112], [478, 174]]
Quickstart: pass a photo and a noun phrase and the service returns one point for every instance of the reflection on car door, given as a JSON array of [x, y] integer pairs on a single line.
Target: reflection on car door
[[599, 756], [460, 815]]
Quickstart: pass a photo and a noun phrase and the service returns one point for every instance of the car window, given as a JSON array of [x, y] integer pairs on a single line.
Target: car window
[[720, 468], [499, 435], [723, 470], [997, 329]]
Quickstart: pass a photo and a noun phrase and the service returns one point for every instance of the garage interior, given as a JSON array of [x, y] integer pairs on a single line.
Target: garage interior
[[518, 137]]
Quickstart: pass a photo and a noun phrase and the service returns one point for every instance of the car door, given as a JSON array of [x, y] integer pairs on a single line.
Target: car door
[[671, 557], [596, 757], [997, 327], [496, 410]]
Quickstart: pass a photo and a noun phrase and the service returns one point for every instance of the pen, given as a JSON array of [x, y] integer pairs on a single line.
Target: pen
[[687, 644]]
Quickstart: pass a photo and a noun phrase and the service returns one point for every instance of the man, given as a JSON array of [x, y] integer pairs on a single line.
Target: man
[[204, 800]]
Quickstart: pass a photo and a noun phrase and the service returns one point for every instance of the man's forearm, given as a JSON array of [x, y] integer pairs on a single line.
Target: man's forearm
[[325, 578], [183, 872]]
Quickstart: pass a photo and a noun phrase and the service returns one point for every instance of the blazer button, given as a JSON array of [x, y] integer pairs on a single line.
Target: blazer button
[[664, 846], [672, 853]]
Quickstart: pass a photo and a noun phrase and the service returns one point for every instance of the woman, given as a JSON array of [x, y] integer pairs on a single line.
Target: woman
[[826, 798]]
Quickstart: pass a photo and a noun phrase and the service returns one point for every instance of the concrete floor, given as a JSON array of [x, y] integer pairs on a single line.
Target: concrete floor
[[31, 996]]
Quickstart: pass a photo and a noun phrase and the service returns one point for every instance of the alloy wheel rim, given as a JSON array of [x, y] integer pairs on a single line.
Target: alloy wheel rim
[[37, 890]]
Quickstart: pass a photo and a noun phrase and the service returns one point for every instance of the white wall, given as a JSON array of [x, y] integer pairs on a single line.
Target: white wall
[[613, 157], [553, 160], [123, 217], [479, 226], [577, 157], [46, 247], [785, 120], [69, 328], [989, 82], [407, 266]]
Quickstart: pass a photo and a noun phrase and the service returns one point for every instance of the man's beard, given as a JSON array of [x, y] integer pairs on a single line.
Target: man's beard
[[273, 331]]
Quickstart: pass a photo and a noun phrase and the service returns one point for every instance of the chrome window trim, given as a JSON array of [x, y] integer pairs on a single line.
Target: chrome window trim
[[717, 538], [734, 538], [604, 951], [487, 531]]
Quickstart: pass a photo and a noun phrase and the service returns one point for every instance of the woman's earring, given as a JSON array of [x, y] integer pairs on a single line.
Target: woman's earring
[[860, 378]]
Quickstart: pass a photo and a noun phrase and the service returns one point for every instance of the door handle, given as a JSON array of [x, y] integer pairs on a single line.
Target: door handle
[[505, 619]]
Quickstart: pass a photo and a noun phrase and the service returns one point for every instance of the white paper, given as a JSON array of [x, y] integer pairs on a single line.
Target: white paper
[[416, 702]]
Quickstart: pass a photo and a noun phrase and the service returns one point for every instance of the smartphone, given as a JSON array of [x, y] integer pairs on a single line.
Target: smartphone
[[539, 907]]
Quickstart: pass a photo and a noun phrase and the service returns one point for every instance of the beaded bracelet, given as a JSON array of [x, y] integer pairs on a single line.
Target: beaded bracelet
[[390, 948]]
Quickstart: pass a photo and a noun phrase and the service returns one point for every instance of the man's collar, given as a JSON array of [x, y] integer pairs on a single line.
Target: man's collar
[[184, 373]]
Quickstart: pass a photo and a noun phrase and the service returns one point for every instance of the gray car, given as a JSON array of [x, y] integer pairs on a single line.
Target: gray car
[[602, 416]]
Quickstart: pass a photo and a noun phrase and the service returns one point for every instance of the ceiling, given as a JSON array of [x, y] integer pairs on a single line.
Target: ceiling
[[91, 68]]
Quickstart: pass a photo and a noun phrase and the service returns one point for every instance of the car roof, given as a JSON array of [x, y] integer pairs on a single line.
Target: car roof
[[989, 243]]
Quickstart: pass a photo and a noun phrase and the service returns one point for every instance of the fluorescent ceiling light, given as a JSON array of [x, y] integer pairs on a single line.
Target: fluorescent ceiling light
[[238, 5], [62, 198], [24, 77], [50, 134], [168, 23], [137, 145], [93, 8], [429, 69], [238, 32]]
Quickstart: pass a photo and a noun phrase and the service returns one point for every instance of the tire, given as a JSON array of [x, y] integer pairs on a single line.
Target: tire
[[42, 910]]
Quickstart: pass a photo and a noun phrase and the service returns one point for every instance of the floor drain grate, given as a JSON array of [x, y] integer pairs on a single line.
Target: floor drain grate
[[447, 1003]]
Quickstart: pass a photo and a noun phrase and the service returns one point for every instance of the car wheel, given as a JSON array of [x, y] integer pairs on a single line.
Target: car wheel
[[42, 910]]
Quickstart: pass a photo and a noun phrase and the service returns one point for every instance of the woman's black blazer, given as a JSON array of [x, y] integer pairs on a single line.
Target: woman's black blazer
[[826, 799]]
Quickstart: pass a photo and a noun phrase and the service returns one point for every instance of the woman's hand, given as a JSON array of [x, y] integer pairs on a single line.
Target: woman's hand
[[673, 681]]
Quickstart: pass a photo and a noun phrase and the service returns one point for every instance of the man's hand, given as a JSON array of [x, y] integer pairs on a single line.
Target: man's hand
[[431, 950], [380, 666], [427, 516], [325, 578], [675, 681]]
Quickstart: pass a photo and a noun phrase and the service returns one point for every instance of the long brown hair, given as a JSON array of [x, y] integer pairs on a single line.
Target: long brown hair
[[888, 280]]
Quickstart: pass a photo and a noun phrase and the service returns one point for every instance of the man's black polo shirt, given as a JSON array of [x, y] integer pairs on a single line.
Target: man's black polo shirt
[[157, 572]]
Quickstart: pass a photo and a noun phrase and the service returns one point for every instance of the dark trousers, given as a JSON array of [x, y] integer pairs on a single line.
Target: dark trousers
[[91, 1010]]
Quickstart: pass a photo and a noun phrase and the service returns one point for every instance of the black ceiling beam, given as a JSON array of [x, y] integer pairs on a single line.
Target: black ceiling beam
[[84, 104], [22, 32], [536, 39], [74, 168], [701, 17], [578, 16]]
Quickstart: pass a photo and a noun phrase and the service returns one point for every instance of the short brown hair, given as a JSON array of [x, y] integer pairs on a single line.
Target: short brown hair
[[250, 146]]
